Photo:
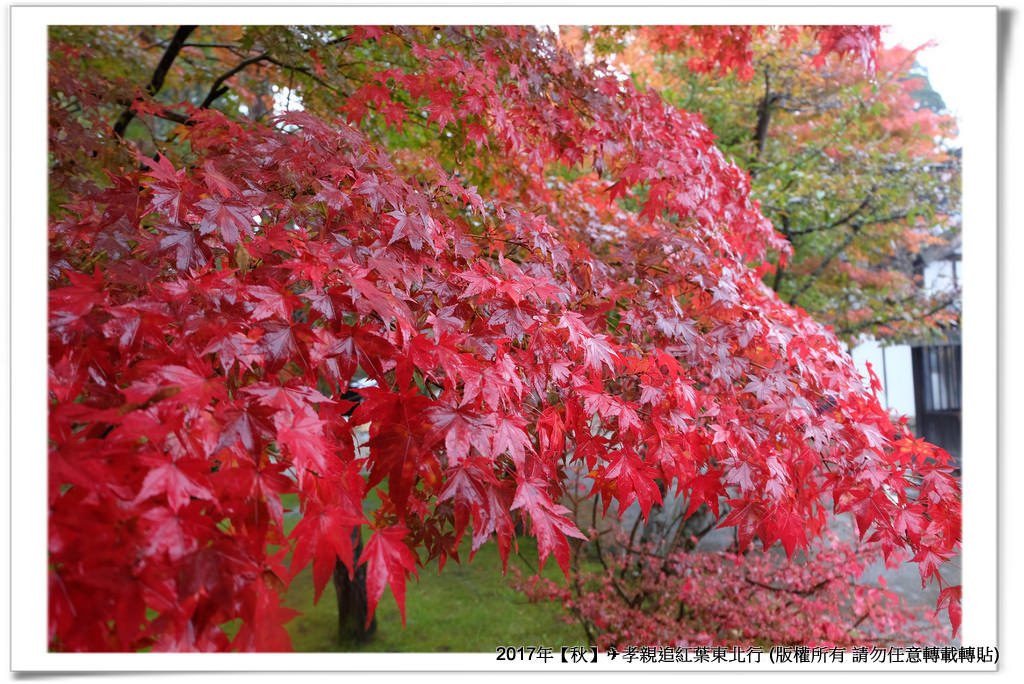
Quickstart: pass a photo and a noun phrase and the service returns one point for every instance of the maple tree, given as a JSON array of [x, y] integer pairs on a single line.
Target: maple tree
[[521, 263], [837, 131]]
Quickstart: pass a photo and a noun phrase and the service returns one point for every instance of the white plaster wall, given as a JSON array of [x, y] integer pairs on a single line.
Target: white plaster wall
[[894, 368], [941, 276]]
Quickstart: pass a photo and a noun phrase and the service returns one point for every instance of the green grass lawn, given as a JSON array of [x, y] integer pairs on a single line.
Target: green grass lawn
[[469, 607]]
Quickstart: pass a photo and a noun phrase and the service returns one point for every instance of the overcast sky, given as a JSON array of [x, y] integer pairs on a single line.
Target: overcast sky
[[942, 61]]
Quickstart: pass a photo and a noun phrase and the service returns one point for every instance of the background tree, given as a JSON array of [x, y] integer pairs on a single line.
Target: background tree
[[855, 167], [531, 266]]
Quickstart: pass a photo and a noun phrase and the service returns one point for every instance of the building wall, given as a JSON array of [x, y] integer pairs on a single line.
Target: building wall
[[894, 368]]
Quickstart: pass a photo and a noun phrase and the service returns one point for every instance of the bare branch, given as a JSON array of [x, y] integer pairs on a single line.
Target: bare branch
[[936, 308], [304, 71], [218, 88], [157, 80], [787, 590], [839, 249], [842, 220]]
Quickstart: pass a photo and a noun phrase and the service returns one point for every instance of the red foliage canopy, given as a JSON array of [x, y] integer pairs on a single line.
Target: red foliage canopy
[[728, 48], [207, 315]]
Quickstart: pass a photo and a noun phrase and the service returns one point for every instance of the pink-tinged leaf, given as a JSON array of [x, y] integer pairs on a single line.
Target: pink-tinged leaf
[[633, 480], [321, 301], [164, 533], [190, 387], [170, 480], [290, 397], [746, 517], [617, 189], [597, 351], [187, 252], [217, 182], [401, 438], [462, 429], [479, 279], [266, 632], [573, 323], [928, 562], [385, 304], [331, 195], [68, 305], [363, 33], [873, 435], [236, 347], [705, 488], [511, 438], [413, 226], [476, 134], [786, 526], [369, 186], [388, 561], [301, 433], [229, 218], [548, 521], [194, 386], [167, 186], [278, 342], [497, 521], [608, 406], [950, 598], [268, 302]]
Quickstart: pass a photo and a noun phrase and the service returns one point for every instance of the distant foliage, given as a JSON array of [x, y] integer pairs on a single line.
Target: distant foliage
[[721, 598], [853, 160]]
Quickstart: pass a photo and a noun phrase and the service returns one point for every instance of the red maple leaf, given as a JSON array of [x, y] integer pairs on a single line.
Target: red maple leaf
[[169, 479], [324, 535], [229, 218], [548, 521], [388, 561]]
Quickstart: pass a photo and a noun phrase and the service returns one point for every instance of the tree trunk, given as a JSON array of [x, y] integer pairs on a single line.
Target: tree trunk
[[352, 599]]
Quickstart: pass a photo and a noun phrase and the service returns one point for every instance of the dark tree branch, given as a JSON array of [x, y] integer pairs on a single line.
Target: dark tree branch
[[861, 619], [600, 557], [764, 115], [171, 115], [855, 229], [157, 81], [779, 270], [799, 592], [218, 88], [228, 46], [304, 71], [942, 304], [846, 218]]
